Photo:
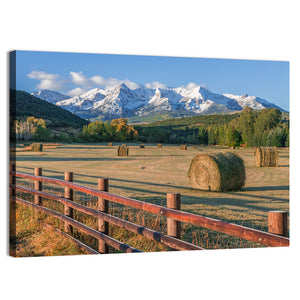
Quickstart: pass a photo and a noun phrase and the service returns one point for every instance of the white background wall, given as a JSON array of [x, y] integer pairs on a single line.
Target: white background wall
[[244, 29]]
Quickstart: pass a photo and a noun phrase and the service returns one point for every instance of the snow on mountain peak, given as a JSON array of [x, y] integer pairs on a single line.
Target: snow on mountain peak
[[50, 96], [121, 101]]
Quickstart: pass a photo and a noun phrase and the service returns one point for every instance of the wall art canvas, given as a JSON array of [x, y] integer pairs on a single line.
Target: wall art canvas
[[130, 153]]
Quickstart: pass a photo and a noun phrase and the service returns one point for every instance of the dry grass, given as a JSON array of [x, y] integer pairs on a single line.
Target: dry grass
[[32, 239], [22, 147], [148, 174]]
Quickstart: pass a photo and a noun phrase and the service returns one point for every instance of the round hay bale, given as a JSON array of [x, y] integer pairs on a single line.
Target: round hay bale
[[123, 150], [159, 145], [142, 146], [266, 157], [36, 147], [110, 144], [218, 172], [183, 147]]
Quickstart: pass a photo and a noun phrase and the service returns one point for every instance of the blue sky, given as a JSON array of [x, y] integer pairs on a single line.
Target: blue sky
[[72, 73]]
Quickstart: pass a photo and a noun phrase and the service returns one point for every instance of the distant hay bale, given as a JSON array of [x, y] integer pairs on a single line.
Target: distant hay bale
[[217, 172], [183, 147], [194, 147], [159, 146], [123, 150], [110, 144], [266, 157], [35, 147], [142, 146]]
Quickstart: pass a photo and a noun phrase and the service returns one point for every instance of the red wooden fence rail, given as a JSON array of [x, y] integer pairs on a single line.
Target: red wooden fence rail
[[69, 221], [151, 234], [254, 235]]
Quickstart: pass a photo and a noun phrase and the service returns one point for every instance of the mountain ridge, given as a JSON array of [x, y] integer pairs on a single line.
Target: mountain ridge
[[121, 101]]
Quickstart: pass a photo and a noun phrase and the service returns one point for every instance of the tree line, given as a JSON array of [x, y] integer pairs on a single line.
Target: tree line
[[248, 128], [115, 130], [35, 129]]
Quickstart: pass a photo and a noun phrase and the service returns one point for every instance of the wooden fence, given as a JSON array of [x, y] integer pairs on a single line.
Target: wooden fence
[[276, 237]]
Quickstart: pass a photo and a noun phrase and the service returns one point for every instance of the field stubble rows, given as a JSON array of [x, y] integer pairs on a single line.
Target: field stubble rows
[[149, 173]]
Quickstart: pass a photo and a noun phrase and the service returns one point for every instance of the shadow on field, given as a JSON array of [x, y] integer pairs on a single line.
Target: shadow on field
[[268, 188], [251, 204], [45, 158], [87, 147], [237, 199]]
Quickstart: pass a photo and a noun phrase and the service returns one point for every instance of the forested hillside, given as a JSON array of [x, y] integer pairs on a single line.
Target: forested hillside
[[24, 105], [197, 120]]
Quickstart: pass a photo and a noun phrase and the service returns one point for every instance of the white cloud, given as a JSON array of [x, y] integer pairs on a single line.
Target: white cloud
[[105, 82], [192, 85], [97, 80], [155, 84], [132, 85], [80, 79], [76, 92], [83, 83], [47, 81]]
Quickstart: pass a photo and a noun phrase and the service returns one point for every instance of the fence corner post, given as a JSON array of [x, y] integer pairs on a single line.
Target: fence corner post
[[173, 226], [68, 195], [277, 223], [103, 226]]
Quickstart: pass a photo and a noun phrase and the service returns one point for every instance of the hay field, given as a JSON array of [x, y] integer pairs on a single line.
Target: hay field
[[149, 173]]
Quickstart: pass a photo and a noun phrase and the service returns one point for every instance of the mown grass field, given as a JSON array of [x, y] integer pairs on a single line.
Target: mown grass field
[[149, 173]]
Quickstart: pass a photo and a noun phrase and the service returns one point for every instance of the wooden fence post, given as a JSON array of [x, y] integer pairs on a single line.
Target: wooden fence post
[[69, 195], [103, 206], [38, 186], [173, 226], [277, 223]]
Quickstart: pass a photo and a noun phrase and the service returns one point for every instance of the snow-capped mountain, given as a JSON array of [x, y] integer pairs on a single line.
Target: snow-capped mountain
[[121, 101], [50, 96]]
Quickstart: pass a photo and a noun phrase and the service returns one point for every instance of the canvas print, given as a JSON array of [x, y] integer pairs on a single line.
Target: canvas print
[[130, 153]]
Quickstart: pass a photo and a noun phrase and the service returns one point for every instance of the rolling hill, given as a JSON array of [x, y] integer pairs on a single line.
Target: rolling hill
[[24, 105]]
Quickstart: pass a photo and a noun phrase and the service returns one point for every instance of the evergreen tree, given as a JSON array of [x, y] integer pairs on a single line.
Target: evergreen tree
[[266, 120], [202, 135], [246, 125], [213, 135]]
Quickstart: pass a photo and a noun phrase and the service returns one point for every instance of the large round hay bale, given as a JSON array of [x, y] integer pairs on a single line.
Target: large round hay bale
[[183, 147], [123, 150], [110, 144], [159, 145], [142, 146], [36, 147], [218, 172], [266, 157]]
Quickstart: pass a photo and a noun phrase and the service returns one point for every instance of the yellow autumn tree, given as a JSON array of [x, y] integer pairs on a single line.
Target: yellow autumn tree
[[123, 130]]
